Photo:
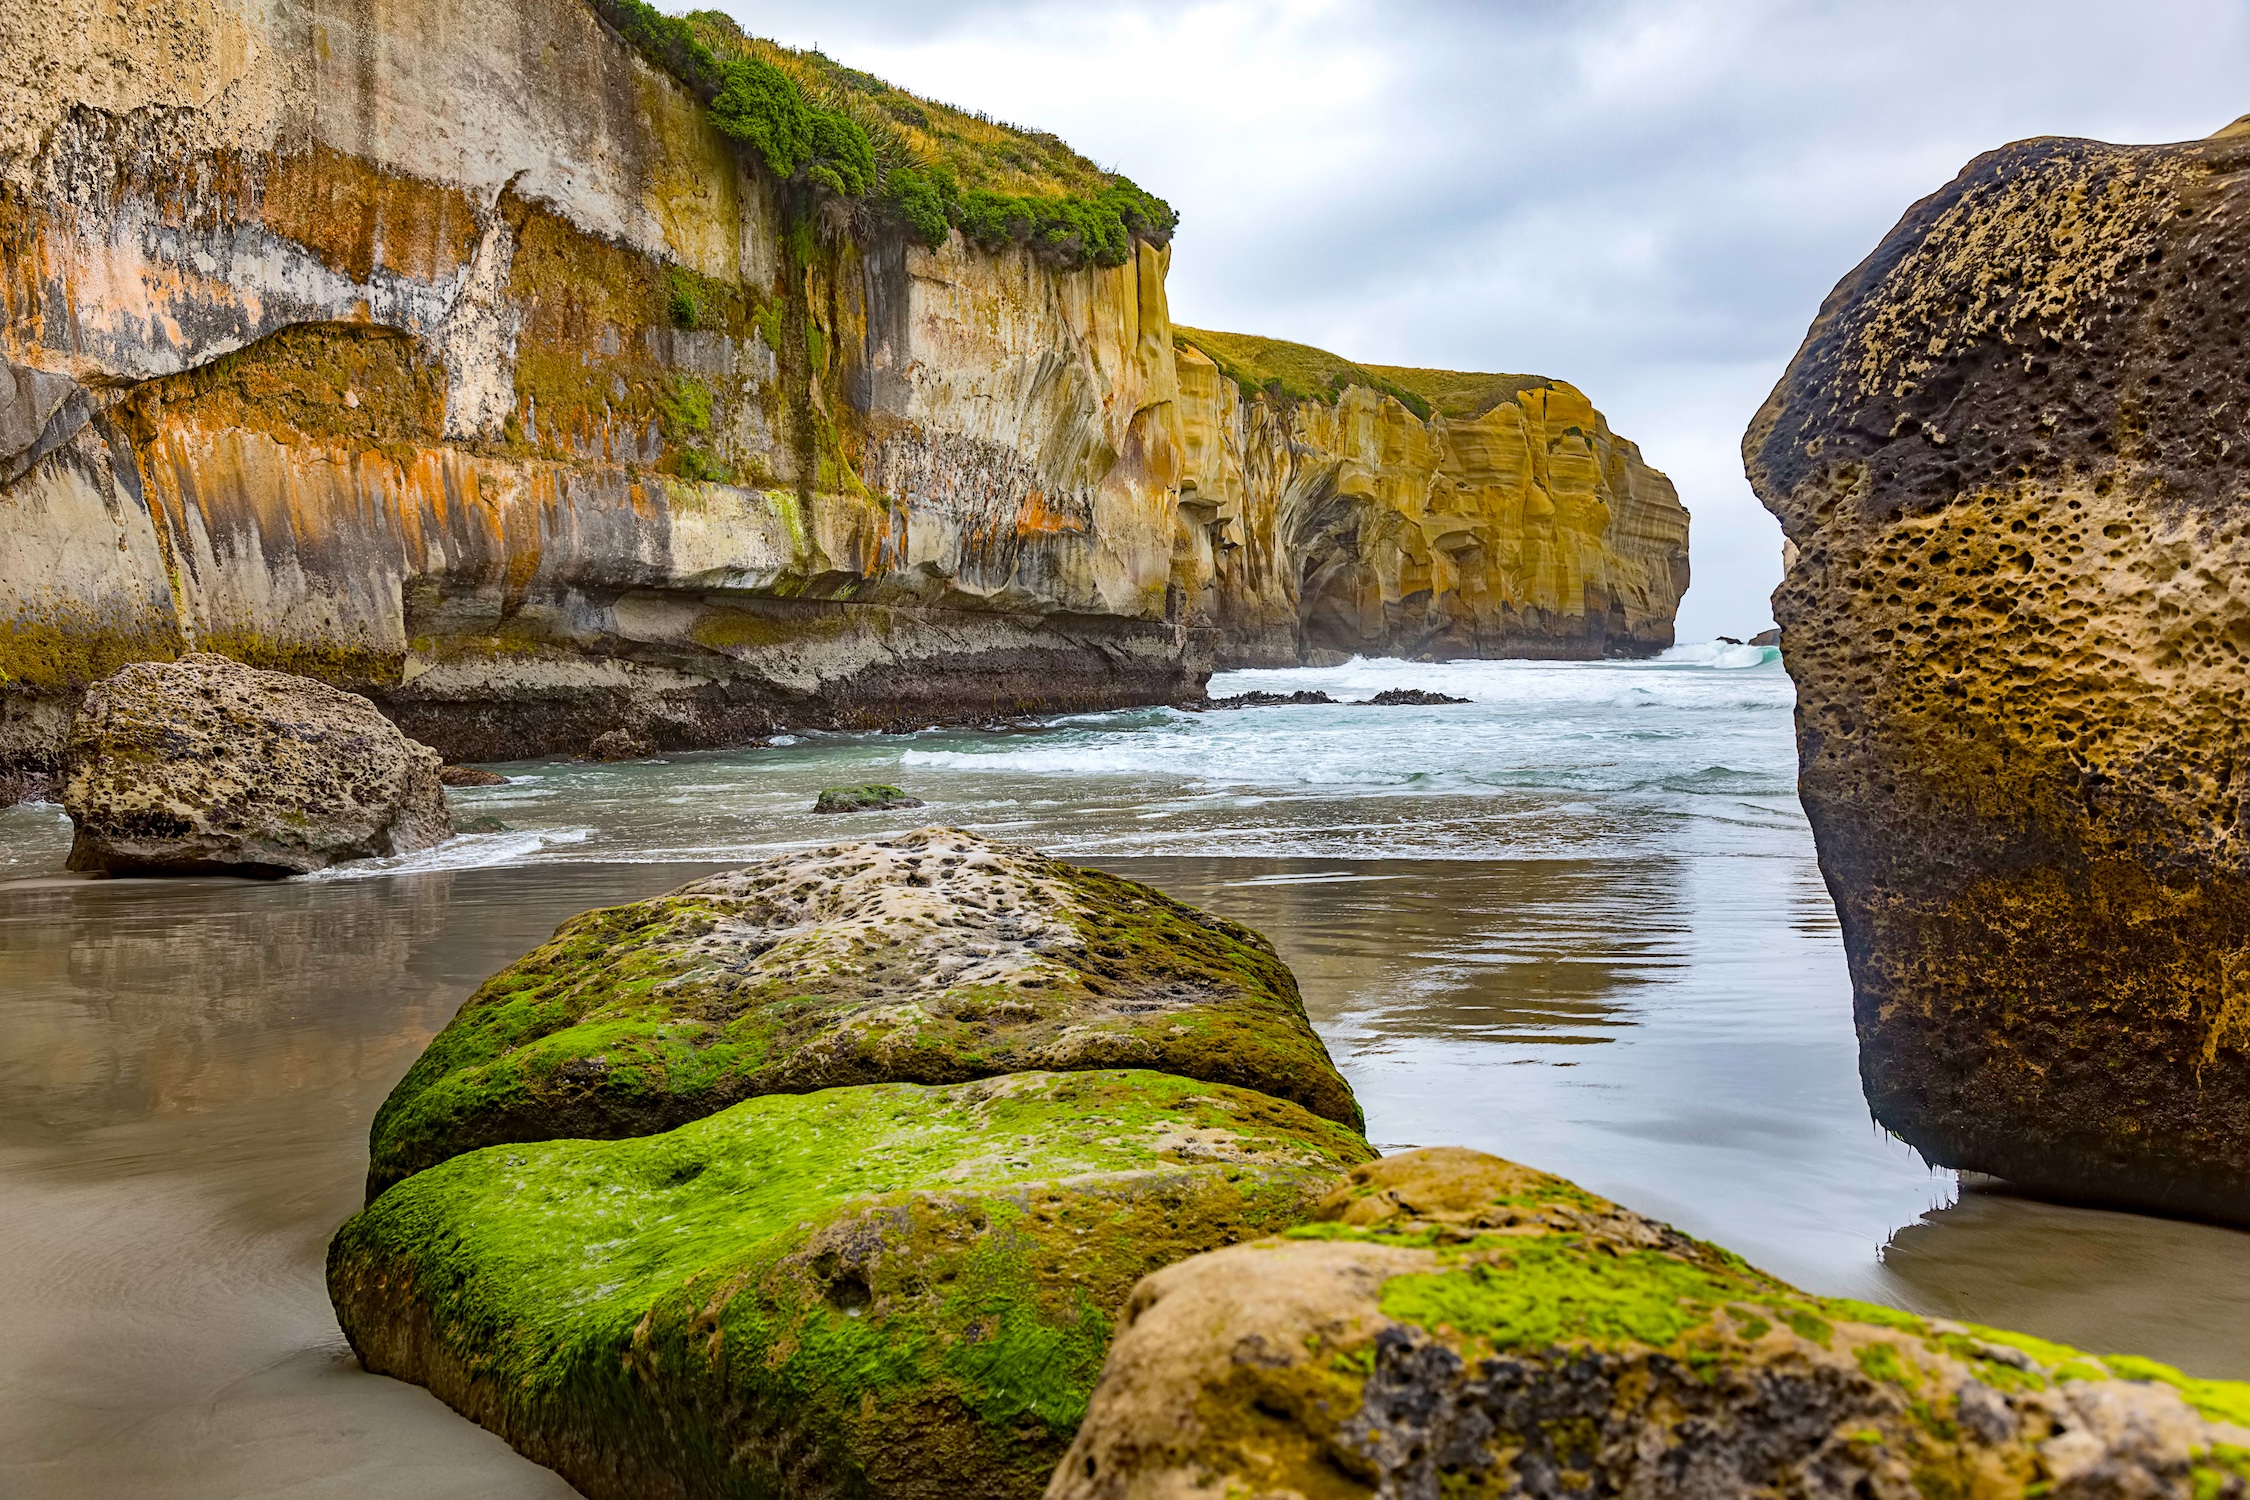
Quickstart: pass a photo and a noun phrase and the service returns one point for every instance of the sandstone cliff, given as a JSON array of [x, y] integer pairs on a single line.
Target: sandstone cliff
[[2010, 465], [458, 355], [1420, 513]]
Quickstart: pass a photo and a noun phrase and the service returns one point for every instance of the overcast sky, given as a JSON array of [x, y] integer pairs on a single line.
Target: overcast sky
[[1647, 198]]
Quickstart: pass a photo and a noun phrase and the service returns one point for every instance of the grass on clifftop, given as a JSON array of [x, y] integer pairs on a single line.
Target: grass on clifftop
[[928, 166], [1299, 372]]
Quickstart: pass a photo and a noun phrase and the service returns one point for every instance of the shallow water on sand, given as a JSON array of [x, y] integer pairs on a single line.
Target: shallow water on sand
[[1576, 922]]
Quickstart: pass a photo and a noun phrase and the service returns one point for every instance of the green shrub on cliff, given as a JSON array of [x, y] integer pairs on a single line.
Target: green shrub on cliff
[[926, 166]]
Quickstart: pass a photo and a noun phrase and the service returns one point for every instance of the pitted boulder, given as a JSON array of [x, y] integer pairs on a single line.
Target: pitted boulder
[[2009, 465], [1452, 1324], [935, 957], [206, 766]]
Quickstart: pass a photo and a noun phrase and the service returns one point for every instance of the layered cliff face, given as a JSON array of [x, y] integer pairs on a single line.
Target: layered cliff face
[[457, 355], [450, 353], [1420, 513], [2010, 464]]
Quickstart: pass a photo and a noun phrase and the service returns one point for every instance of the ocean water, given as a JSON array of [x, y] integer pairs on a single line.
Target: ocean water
[[1576, 921]]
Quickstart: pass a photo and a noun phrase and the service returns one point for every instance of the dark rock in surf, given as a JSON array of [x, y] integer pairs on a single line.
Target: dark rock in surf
[[1256, 699], [206, 766], [470, 776], [872, 798], [28, 786], [620, 744], [1411, 698], [1766, 638]]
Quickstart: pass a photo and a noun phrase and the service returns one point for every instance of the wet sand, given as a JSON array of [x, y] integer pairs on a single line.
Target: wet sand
[[188, 1069]]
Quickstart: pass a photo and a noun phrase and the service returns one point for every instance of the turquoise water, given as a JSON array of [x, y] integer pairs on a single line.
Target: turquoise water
[[1576, 921]]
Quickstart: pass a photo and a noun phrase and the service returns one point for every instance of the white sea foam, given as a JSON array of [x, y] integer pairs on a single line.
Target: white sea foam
[[1576, 760]]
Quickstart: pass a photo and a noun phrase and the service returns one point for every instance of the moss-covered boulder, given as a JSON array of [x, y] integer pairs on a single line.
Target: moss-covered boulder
[[870, 798], [1451, 1324], [891, 1289], [935, 957]]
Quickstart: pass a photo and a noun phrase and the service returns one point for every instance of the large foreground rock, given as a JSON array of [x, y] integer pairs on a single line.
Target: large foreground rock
[[1455, 1325], [934, 957], [2010, 462], [889, 1290], [203, 765]]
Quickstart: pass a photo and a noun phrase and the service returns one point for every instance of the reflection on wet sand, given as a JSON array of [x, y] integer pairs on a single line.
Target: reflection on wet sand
[[2120, 1281], [187, 1073], [188, 1070], [1545, 951], [1461, 997]]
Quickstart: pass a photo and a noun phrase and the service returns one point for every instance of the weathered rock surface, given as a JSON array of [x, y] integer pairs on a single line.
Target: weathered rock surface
[[885, 1290], [1510, 521], [2007, 464], [204, 765], [1452, 1324], [448, 352], [934, 957], [620, 744]]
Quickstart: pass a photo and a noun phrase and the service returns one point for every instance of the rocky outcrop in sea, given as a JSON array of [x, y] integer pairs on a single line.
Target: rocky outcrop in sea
[[2007, 464]]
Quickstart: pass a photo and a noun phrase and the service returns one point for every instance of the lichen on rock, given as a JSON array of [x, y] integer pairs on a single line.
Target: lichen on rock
[[934, 957], [1452, 1324], [887, 1289], [2007, 465], [206, 766]]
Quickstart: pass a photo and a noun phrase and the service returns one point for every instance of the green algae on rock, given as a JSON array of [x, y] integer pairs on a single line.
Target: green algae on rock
[[934, 957], [1454, 1324], [889, 1289], [870, 798]]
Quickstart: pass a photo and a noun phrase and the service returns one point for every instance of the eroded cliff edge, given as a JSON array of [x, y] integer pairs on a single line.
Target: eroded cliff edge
[[1430, 514], [456, 355], [2009, 461]]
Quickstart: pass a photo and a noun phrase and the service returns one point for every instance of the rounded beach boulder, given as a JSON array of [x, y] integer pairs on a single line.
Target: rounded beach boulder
[[206, 766], [886, 1290], [2011, 472], [935, 957], [1454, 1324]]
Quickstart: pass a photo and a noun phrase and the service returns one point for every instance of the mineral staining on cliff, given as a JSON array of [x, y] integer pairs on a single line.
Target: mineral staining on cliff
[[888, 1289], [934, 957], [206, 766], [463, 356], [1452, 1324], [1420, 513], [2008, 463], [548, 369]]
